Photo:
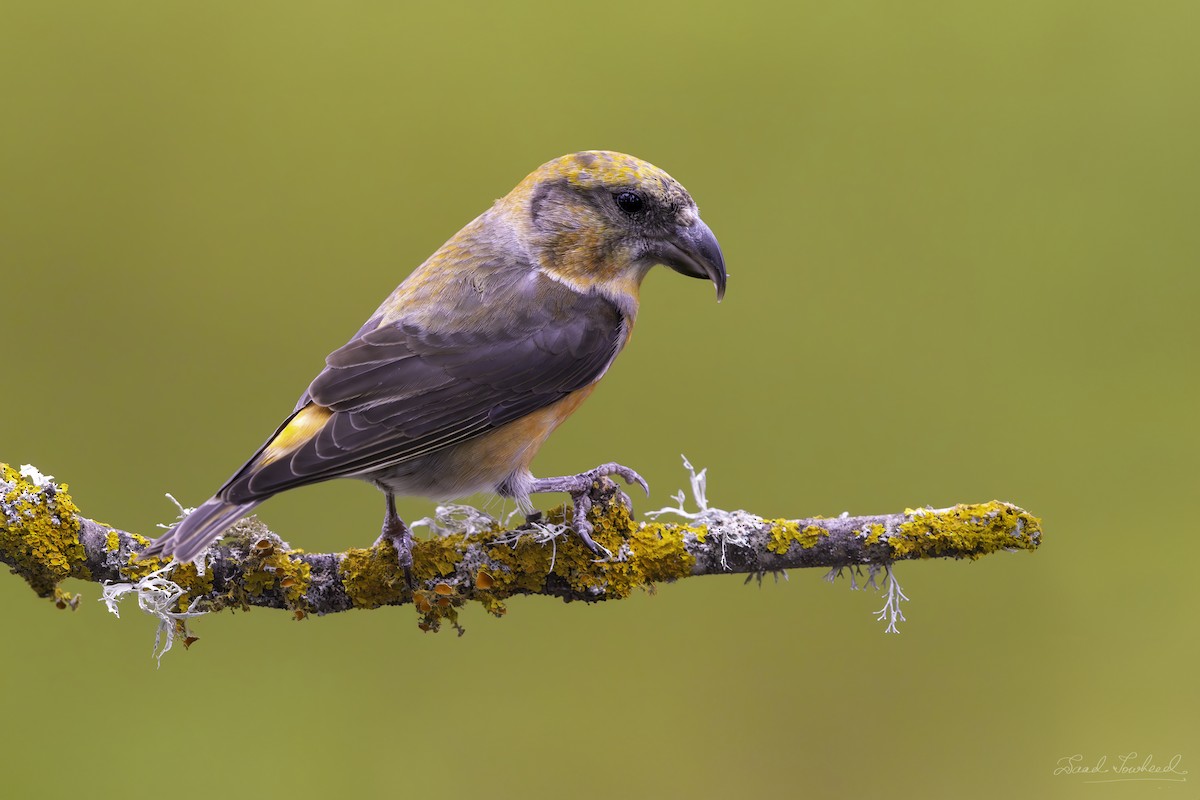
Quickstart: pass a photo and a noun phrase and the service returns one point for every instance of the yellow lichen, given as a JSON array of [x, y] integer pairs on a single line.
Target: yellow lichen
[[188, 577], [785, 531], [875, 533], [447, 577], [137, 567], [112, 542], [64, 599], [268, 569], [655, 552], [492, 604], [968, 531], [371, 577], [39, 533], [437, 557], [660, 553], [809, 536]]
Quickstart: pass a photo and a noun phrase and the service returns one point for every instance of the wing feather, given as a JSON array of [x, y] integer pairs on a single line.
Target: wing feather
[[398, 391]]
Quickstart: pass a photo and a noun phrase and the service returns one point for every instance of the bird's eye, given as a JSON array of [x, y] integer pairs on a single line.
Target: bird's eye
[[629, 202]]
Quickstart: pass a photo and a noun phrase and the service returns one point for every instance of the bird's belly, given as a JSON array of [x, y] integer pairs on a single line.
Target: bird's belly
[[439, 476], [480, 464]]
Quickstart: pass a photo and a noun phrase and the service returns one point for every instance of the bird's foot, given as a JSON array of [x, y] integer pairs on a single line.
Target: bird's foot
[[586, 489], [397, 534]]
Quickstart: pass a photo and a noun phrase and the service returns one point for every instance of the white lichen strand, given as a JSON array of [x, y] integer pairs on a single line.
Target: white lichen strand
[[728, 527], [34, 475], [454, 519], [758, 576], [201, 559], [542, 533], [891, 607], [872, 572], [853, 570], [157, 596], [734, 527], [183, 512]]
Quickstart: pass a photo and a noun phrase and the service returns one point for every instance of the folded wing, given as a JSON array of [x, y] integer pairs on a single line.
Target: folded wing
[[398, 391]]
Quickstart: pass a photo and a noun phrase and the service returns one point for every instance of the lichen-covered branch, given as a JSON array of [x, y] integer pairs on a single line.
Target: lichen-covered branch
[[45, 539]]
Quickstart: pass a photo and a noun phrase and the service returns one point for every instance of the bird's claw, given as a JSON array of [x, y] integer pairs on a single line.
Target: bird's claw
[[597, 485], [622, 472], [623, 499], [584, 529], [586, 489], [397, 534]]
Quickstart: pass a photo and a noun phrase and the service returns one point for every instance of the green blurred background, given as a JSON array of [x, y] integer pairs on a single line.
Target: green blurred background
[[963, 250]]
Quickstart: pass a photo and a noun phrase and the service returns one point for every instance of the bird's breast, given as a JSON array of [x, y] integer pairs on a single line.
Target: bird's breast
[[483, 463]]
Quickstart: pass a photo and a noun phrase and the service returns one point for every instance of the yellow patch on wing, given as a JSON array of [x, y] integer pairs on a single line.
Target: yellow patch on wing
[[302, 428]]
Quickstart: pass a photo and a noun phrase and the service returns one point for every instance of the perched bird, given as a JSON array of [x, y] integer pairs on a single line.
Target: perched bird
[[457, 379]]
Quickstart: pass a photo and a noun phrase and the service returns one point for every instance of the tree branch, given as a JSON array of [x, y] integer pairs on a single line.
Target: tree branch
[[45, 539]]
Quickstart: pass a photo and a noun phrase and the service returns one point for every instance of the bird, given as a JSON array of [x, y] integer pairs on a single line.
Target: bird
[[457, 379]]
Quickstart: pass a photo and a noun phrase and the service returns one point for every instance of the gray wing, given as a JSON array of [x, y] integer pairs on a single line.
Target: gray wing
[[398, 391]]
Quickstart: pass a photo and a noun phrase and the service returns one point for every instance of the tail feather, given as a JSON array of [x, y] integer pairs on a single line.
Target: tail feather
[[198, 529]]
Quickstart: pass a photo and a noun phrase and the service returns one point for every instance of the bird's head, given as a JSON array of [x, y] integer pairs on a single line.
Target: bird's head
[[600, 220]]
